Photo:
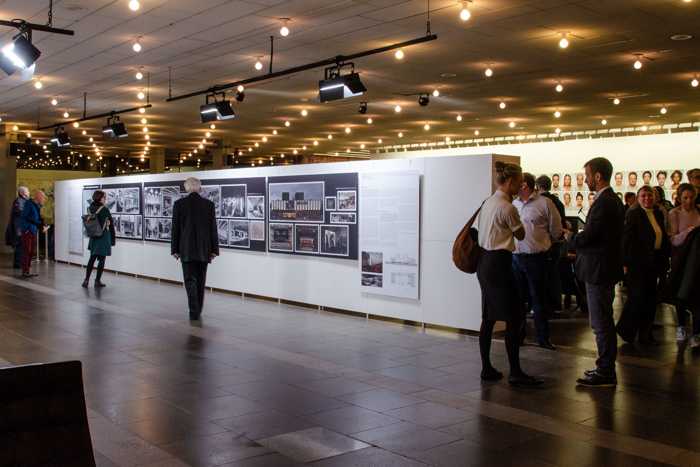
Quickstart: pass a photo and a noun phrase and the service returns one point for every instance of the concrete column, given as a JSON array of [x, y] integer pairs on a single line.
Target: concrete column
[[8, 179], [218, 158], [156, 161]]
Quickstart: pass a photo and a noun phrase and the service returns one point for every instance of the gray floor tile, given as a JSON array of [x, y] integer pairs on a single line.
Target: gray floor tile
[[312, 444], [351, 419], [369, 457], [380, 400], [431, 414]]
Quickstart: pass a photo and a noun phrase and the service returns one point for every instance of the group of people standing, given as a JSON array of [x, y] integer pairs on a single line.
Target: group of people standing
[[523, 233], [23, 228]]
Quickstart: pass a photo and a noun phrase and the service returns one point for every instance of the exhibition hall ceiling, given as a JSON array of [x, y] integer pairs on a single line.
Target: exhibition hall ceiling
[[206, 42]]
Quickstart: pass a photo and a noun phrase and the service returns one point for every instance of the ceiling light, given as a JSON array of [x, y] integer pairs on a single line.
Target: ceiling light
[[644, 128], [638, 64], [330, 136], [19, 55], [400, 134], [304, 112], [287, 123], [502, 105], [139, 75], [465, 14], [91, 139], [488, 72], [370, 121], [603, 122], [207, 134], [436, 93], [563, 42], [399, 55], [694, 83], [54, 101], [258, 65], [664, 110], [212, 126], [336, 86], [303, 147], [557, 131], [559, 87], [144, 121], [200, 146], [448, 139], [347, 130], [217, 110], [38, 84], [134, 5], [426, 127], [476, 132], [257, 145], [397, 109], [142, 110], [423, 100], [616, 101], [84, 132], [557, 114], [76, 125], [264, 139], [459, 118], [315, 142], [511, 124], [66, 115], [379, 141], [136, 46], [284, 30]]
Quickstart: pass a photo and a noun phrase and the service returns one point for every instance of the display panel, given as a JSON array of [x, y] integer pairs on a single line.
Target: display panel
[[159, 199], [314, 215], [390, 206], [124, 202]]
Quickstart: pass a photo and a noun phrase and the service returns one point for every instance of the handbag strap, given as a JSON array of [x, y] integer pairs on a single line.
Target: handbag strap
[[473, 218]]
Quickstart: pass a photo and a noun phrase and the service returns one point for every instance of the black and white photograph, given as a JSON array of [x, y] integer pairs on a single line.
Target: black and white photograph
[[256, 207], [343, 218], [213, 194], [233, 201], [87, 198], [372, 280], [281, 237], [158, 228], [239, 235], [335, 240], [306, 238], [222, 229], [373, 261], [170, 194], [153, 202], [297, 201], [124, 200], [347, 200], [331, 202], [128, 226], [257, 231]]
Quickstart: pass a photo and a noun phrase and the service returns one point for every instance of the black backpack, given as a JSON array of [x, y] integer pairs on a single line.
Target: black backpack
[[92, 226]]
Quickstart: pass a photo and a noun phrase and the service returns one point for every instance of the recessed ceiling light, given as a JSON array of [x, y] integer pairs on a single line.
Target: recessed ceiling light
[[557, 114], [694, 83], [399, 55], [136, 46], [347, 130], [315, 142], [274, 132], [264, 139], [436, 93], [304, 112], [287, 124], [511, 124], [502, 105], [142, 110], [54, 101], [488, 72], [616, 101], [38, 84], [557, 131], [370, 121], [134, 5], [141, 95], [139, 75], [397, 109], [603, 122], [284, 30], [380, 141], [426, 127], [400, 134], [476, 132], [330, 136], [664, 110], [559, 87], [465, 14], [66, 115], [258, 65], [459, 118], [564, 41]]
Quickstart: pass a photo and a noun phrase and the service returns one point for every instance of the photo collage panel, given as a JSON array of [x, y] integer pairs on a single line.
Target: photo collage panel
[[124, 203], [313, 215], [159, 200]]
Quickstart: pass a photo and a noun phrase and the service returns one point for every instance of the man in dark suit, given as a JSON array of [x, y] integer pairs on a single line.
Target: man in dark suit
[[544, 184], [194, 241], [599, 264]]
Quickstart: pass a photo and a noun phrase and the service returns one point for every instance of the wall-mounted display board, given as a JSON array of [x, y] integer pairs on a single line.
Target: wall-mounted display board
[[390, 243], [314, 215], [125, 203], [240, 211], [158, 201]]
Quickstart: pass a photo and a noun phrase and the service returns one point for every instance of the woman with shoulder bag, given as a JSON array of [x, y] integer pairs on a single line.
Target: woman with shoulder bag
[[499, 224], [100, 247]]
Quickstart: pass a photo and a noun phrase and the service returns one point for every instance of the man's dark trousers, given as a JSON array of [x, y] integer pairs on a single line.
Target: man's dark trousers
[[600, 308], [195, 277], [532, 272]]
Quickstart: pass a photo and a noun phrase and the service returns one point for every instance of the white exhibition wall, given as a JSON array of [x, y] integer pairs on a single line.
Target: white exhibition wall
[[649, 152], [451, 190]]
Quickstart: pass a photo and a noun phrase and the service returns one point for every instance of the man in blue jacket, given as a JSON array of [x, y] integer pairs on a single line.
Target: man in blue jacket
[[31, 223], [13, 233]]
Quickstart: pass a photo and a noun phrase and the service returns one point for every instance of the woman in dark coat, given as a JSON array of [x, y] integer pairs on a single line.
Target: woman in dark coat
[[646, 256], [100, 247]]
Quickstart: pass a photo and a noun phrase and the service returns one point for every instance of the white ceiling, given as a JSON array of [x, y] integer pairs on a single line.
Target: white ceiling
[[205, 42]]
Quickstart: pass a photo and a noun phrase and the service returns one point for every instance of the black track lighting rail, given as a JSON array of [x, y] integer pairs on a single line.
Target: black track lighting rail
[[25, 26], [337, 60], [95, 117]]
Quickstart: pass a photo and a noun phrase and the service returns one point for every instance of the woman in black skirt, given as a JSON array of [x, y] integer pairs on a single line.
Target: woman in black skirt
[[499, 226]]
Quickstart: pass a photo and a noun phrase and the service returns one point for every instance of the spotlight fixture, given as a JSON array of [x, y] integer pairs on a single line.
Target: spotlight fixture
[[336, 86], [76, 125], [559, 87], [363, 108], [60, 138], [400, 135], [19, 54], [207, 134], [423, 100], [330, 136], [84, 132], [144, 121], [488, 72], [240, 96], [284, 30], [465, 14], [399, 55], [274, 132], [136, 46], [380, 141], [564, 41], [115, 128], [264, 139], [217, 110]]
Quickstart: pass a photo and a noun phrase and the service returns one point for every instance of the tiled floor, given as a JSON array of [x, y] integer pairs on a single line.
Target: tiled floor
[[261, 384]]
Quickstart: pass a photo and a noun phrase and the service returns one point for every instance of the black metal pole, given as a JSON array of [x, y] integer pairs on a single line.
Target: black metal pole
[[300, 68], [94, 117], [36, 27]]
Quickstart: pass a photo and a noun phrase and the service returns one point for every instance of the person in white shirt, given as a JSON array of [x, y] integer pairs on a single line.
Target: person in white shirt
[[542, 223], [499, 226]]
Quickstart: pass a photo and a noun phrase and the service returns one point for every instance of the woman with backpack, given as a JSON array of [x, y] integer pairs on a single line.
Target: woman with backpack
[[100, 246]]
